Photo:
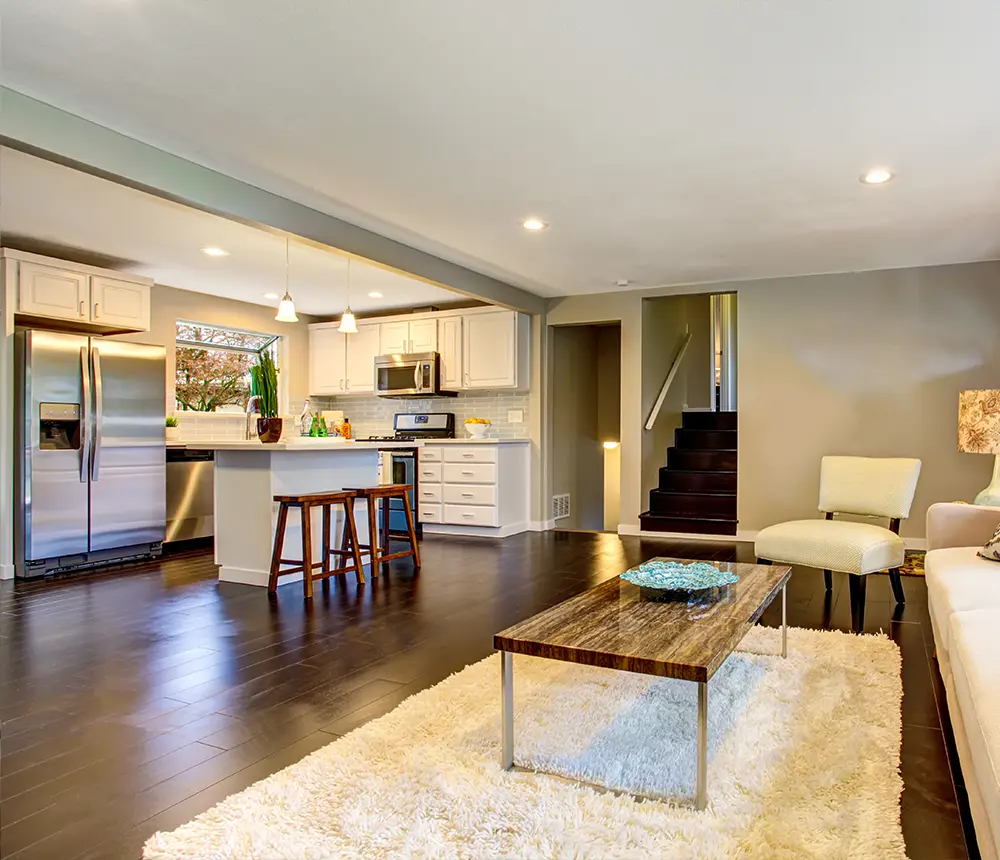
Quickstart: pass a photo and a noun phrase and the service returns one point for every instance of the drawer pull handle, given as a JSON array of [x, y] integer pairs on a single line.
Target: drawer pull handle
[[466, 495], [428, 494], [468, 473], [468, 516], [427, 473], [468, 456]]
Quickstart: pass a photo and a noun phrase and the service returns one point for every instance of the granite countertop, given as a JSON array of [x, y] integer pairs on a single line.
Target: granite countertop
[[469, 440]]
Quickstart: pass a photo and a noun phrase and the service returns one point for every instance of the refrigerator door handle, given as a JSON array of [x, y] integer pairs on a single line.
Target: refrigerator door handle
[[95, 467], [84, 416]]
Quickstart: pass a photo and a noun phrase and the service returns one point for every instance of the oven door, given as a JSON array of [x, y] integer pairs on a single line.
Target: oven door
[[401, 468]]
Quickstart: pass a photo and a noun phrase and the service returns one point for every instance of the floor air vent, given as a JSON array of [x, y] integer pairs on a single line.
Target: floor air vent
[[560, 506]]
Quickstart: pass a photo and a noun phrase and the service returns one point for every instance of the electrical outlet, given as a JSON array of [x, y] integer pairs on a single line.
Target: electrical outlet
[[515, 416]]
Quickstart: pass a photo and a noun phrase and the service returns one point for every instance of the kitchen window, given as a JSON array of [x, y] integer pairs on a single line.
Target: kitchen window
[[213, 366]]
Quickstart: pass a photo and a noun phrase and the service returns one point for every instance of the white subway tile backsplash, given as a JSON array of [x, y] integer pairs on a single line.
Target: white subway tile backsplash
[[372, 416]]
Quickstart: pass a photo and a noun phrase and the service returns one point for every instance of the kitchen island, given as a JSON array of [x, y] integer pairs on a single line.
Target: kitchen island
[[249, 474]]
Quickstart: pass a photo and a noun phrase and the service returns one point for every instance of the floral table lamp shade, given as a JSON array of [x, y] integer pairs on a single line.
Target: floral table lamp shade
[[979, 433]]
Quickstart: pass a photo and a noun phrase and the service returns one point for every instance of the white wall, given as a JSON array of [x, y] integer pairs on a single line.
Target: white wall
[[867, 364], [170, 305]]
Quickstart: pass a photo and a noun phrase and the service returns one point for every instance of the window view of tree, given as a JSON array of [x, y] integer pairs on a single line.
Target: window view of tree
[[213, 366]]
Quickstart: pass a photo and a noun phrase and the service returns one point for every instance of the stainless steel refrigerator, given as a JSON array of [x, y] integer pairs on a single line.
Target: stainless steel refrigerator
[[91, 451]]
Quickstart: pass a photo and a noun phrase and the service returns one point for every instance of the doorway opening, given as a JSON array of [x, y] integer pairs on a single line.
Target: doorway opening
[[586, 426]]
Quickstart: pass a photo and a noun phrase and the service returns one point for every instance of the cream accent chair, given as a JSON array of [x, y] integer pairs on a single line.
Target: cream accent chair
[[860, 486]]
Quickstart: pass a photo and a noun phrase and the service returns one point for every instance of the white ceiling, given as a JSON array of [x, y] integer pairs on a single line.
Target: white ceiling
[[665, 141], [48, 204]]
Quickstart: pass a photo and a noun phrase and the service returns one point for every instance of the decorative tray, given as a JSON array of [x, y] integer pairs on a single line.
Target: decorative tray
[[672, 579]]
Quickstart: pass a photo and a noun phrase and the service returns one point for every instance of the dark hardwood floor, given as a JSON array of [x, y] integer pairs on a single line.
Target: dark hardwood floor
[[133, 700]]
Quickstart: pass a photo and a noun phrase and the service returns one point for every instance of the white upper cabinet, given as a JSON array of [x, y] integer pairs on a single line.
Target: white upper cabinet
[[450, 347], [119, 303], [46, 291], [406, 336], [362, 348], [81, 295], [424, 335], [479, 349], [394, 338], [495, 350], [327, 361]]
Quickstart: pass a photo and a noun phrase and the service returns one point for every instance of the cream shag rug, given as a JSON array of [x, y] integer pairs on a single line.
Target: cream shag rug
[[804, 762]]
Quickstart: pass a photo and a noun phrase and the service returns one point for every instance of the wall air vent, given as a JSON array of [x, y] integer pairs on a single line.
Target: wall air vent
[[560, 506]]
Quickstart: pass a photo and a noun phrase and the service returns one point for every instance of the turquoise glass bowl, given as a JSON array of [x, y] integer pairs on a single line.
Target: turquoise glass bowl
[[675, 576]]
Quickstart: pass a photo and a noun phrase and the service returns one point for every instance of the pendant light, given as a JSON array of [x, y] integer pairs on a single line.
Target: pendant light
[[286, 310], [348, 325]]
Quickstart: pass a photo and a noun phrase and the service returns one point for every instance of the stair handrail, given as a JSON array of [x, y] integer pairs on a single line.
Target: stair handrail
[[655, 413]]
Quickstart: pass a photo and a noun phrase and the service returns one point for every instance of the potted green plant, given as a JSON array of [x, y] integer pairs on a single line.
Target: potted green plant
[[173, 430], [264, 386]]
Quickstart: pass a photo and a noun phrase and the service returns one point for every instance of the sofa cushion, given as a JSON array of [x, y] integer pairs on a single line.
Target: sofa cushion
[[976, 673], [832, 544], [991, 552], [958, 580]]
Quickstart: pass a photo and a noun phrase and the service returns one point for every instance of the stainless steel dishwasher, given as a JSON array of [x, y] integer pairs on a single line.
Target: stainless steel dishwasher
[[190, 494]]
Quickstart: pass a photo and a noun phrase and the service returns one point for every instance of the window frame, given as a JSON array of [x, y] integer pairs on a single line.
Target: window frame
[[277, 343]]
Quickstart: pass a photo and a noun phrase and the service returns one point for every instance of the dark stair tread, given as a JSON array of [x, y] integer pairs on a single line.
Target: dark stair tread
[[688, 524], [725, 493]]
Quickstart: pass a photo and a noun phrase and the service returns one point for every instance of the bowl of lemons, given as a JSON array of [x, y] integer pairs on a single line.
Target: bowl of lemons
[[477, 427]]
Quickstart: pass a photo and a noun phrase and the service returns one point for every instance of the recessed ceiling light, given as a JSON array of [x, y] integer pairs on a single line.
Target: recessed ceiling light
[[876, 176], [375, 295], [215, 252], [271, 296], [534, 224]]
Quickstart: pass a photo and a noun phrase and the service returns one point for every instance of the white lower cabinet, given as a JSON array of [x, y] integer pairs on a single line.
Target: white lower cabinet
[[479, 489]]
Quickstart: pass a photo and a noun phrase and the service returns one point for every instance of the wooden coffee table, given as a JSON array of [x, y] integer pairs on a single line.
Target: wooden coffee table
[[613, 626]]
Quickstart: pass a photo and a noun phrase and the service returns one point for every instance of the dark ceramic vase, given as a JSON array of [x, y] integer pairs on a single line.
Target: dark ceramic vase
[[269, 429]]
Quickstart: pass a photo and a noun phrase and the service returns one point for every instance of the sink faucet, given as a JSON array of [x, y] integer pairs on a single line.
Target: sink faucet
[[253, 405]]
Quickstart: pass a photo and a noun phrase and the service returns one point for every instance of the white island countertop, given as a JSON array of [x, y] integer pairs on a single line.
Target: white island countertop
[[307, 446]]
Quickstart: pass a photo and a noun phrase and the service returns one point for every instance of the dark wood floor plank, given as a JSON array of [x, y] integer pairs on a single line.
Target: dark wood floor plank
[[134, 699]]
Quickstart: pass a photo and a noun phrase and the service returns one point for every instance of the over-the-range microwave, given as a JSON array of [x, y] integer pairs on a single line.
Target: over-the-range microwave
[[409, 375]]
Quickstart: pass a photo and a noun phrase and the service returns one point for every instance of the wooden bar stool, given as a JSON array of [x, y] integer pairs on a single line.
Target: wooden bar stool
[[380, 495], [349, 547]]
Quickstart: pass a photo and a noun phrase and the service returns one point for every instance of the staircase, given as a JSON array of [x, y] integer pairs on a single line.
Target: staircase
[[697, 492]]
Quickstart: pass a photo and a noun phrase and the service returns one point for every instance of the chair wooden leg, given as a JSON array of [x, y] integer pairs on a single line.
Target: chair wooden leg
[[373, 534], [325, 563], [411, 528], [897, 585], [351, 536], [858, 588], [386, 509], [828, 579], [279, 543], [307, 558]]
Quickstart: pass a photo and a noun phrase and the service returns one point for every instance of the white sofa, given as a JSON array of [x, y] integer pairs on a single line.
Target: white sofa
[[963, 593]]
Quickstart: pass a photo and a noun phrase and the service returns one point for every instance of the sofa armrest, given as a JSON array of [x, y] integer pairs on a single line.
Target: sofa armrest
[[949, 525]]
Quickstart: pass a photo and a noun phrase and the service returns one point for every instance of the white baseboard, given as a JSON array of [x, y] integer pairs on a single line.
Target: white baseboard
[[541, 525], [6, 571], [478, 531]]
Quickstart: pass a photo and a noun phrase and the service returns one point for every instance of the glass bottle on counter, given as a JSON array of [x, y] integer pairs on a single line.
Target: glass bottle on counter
[[306, 419], [314, 426], [345, 428], [324, 431]]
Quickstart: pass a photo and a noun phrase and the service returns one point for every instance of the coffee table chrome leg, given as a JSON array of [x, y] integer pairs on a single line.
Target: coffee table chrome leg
[[784, 620], [701, 798], [507, 704]]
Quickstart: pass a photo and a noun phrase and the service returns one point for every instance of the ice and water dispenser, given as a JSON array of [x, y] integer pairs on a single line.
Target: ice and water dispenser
[[59, 426]]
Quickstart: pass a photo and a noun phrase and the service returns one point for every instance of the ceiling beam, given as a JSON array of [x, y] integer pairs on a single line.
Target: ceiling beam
[[41, 129]]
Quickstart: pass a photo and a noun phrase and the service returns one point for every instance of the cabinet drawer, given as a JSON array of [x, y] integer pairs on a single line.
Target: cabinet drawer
[[428, 472], [429, 493], [470, 494], [431, 455], [471, 454], [469, 473], [469, 515], [429, 513]]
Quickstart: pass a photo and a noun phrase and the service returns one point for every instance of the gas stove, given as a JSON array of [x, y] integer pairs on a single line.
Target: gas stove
[[402, 437]]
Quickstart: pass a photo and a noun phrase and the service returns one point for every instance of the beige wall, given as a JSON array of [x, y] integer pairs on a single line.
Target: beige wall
[[866, 364], [170, 305], [609, 382]]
